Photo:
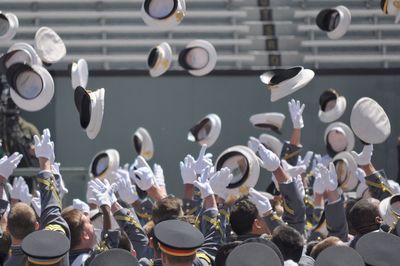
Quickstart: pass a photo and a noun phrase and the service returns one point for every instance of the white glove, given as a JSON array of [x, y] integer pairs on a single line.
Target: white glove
[[364, 158], [329, 176], [319, 184], [159, 175], [187, 170], [262, 202], [270, 160], [296, 113], [204, 183], [90, 197], [306, 161], [219, 182], [36, 204], [144, 178], [55, 168], [15, 192], [293, 171], [125, 189], [203, 160], [103, 192], [44, 147], [253, 144], [80, 205], [360, 174], [8, 164], [25, 196]]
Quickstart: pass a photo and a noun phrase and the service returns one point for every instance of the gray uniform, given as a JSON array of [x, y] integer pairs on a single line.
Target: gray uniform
[[16, 258], [293, 205], [378, 186]]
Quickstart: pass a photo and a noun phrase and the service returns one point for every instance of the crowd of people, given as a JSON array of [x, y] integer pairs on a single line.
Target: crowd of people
[[311, 214]]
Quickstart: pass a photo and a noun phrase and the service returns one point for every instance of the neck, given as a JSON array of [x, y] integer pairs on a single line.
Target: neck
[[82, 246], [15, 242]]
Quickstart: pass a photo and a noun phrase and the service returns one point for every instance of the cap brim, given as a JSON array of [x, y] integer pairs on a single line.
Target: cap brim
[[335, 113], [79, 74], [49, 45], [12, 29], [252, 173], [146, 145], [344, 23], [164, 62], [96, 117], [212, 57], [347, 130], [352, 181], [35, 57], [174, 19], [43, 99], [213, 134]]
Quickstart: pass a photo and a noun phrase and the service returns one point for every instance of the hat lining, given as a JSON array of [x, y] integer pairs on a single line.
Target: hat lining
[[245, 173], [147, 9]]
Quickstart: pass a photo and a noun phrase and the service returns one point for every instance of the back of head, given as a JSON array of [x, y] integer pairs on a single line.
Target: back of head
[[223, 252], [363, 216], [289, 241], [324, 244], [242, 216], [21, 221], [167, 208], [73, 217]]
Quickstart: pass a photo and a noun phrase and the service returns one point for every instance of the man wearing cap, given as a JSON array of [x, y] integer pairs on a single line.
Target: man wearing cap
[[51, 243], [181, 243]]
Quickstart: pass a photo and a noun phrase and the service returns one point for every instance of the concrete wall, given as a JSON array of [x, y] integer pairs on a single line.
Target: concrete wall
[[168, 106]]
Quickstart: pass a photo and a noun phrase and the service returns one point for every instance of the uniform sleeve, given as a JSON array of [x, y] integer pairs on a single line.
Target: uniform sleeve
[[224, 213], [191, 207], [378, 185], [336, 222], [129, 222], [293, 205], [144, 211], [50, 217], [210, 226], [273, 221], [290, 153]]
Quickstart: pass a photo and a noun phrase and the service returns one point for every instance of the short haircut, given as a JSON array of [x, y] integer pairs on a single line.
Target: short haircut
[[224, 251], [73, 217], [21, 221], [242, 216], [125, 242], [289, 241], [362, 216], [310, 246], [166, 209], [324, 244]]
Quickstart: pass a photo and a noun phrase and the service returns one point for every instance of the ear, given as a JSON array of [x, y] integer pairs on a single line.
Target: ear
[[37, 226], [256, 224], [84, 235], [378, 220]]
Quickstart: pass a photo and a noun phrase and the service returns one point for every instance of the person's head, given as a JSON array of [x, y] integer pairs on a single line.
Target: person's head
[[125, 243], [167, 208], [364, 216], [324, 244], [289, 241], [310, 246], [244, 218], [21, 221], [348, 206], [82, 230]]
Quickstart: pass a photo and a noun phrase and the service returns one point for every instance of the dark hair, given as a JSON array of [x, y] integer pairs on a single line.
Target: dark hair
[[223, 252], [125, 242], [310, 246], [289, 241], [348, 206], [324, 244], [73, 217], [166, 209], [242, 216], [21, 220], [362, 216]]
